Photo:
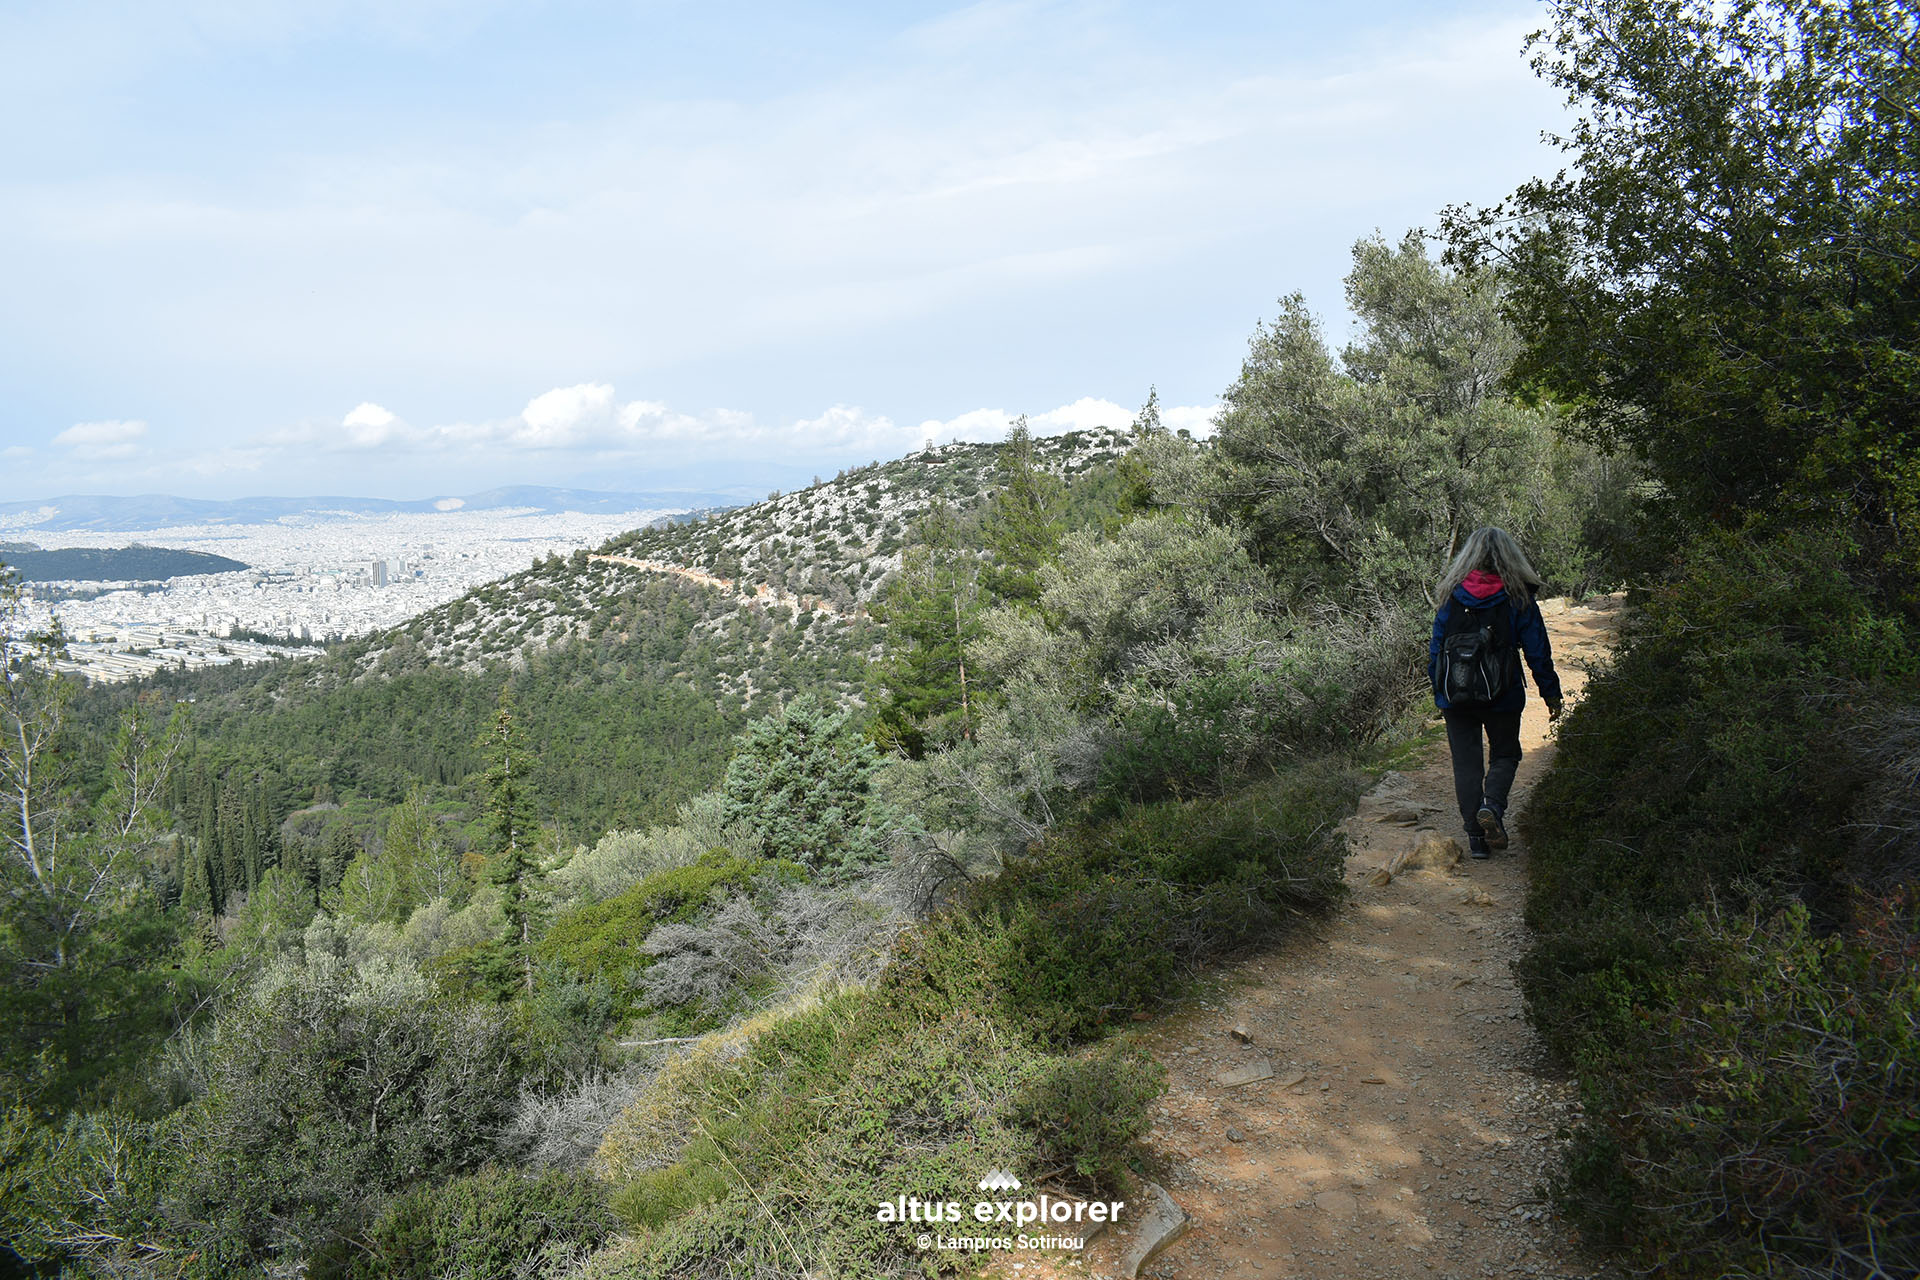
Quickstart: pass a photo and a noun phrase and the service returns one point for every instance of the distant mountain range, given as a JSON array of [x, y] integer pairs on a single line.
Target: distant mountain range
[[163, 511]]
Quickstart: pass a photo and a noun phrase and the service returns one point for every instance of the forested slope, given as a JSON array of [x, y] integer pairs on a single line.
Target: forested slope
[[631, 681]]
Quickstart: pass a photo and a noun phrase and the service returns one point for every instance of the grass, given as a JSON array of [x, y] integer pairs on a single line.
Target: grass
[[993, 1040]]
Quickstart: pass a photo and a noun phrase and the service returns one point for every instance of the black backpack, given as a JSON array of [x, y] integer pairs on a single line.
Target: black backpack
[[1478, 659]]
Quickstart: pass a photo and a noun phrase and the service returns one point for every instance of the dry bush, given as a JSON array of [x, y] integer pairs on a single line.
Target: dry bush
[[563, 1130], [1887, 821]]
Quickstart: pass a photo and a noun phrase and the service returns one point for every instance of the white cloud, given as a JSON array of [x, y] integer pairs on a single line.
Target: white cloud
[[978, 424], [369, 426], [1082, 415], [1195, 419], [842, 428], [584, 428], [117, 438], [590, 419], [929, 190], [567, 417], [231, 461]]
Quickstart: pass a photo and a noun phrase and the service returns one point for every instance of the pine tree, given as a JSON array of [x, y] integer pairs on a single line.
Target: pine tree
[[371, 889], [83, 928], [424, 863], [932, 611], [1023, 524], [802, 778], [1136, 472]]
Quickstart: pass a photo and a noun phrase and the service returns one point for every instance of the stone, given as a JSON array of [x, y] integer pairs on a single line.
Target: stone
[[1341, 1204], [1432, 853], [1380, 877], [1234, 1135], [1161, 1224], [1241, 1033], [1234, 1078]]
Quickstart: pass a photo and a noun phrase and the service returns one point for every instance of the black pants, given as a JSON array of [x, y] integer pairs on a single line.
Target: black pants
[[1470, 784]]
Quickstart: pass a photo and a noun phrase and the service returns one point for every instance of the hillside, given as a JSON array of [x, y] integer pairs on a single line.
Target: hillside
[[109, 564], [634, 665], [811, 560]]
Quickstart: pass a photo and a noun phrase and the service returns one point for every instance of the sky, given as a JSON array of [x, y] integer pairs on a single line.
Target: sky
[[401, 248]]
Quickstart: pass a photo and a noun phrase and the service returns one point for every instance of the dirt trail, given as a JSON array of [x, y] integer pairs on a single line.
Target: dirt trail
[[1410, 1117], [761, 592]]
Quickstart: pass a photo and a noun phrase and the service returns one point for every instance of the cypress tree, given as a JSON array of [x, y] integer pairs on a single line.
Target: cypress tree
[[340, 849], [507, 783], [250, 834], [231, 823], [196, 889], [269, 833], [207, 848]]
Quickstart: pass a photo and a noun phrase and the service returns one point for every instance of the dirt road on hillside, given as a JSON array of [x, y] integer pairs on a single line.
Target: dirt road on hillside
[[1409, 1118]]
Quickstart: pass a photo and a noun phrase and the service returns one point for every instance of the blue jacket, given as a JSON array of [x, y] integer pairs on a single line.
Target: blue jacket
[[1529, 632]]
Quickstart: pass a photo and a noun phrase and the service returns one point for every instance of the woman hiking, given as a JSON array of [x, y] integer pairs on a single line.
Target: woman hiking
[[1488, 617]]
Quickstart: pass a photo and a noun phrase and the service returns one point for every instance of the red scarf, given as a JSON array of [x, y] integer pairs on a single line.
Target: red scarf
[[1480, 584]]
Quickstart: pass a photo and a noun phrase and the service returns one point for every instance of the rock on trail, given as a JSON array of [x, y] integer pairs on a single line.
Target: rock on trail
[[1366, 1099]]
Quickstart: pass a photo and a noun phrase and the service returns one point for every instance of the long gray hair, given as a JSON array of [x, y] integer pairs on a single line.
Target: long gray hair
[[1495, 551]]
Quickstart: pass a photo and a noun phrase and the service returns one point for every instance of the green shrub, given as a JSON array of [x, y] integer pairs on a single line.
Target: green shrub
[[559, 1031], [772, 1151], [492, 1223], [1712, 758], [81, 1196], [1769, 1114], [657, 1196], [1088, 1113], [793, 1146], [1183, 740], [1110, 916], [327, 1087], [1740, 1080], [603, 939]]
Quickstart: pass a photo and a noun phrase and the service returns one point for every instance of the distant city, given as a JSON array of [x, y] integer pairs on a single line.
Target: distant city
[[312, 576]]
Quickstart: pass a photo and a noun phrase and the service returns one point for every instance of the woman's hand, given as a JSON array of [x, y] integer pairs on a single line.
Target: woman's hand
[[1553, 709]]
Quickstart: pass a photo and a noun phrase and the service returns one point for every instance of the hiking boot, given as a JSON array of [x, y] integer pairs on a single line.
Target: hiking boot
[[1477, 848], [1491, 826]]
